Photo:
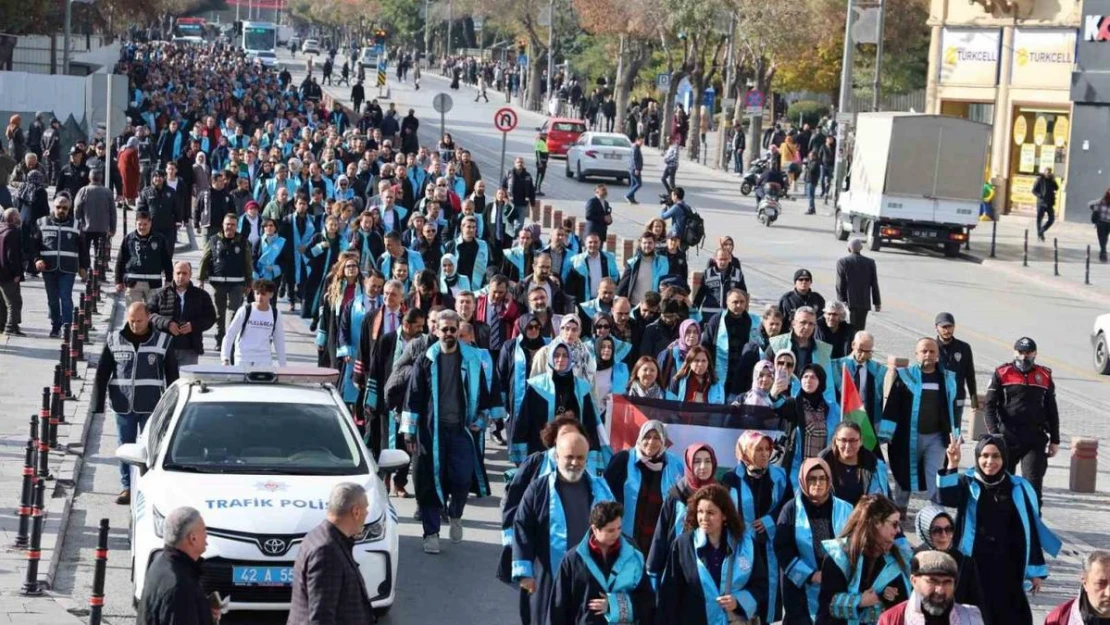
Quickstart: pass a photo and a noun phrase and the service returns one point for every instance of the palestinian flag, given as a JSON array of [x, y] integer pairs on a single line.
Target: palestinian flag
[[713, 424], [851, 409]]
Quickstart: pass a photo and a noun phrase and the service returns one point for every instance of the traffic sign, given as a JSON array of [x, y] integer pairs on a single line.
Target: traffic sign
[[663, 81], [442, 103], [753, 102], [505, 119]]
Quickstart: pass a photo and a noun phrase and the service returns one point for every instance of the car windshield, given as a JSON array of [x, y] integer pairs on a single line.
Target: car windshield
[[260, 437], [568, 127], [611, 142]]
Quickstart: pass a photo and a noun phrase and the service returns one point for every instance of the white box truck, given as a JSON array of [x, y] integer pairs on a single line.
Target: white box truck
[[914, 178]]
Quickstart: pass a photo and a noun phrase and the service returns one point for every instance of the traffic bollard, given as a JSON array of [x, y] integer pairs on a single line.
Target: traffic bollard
[[26, 493], [56, 406], [1055, 257], [44, 435], [96, 600], [31, 585], [77, 342], [994, 232], [1084, 465], [556, 219], [1087, 272], [1025, 254], [63, 361]]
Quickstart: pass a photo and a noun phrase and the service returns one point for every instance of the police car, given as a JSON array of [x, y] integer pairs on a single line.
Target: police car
[[257, 453]]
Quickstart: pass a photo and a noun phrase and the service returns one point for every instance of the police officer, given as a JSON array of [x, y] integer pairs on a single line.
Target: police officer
[[1021, 407], [142, 261], [227, 265], [160, 202], [75, 174], [60, 254], [956, 356], [135, 368]]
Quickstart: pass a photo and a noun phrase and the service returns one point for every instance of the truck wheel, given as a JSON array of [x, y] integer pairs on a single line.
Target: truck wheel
[[838, 227], [1102, 355], [952, 249], [874, 242]]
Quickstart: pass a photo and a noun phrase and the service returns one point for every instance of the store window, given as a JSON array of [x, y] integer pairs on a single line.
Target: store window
[[1040, 142]]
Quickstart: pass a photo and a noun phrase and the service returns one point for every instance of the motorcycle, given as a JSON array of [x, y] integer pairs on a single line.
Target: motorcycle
[[751, 177], [769, 208]]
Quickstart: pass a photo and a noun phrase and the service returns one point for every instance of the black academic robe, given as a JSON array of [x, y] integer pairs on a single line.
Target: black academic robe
[[320, 260], [669, 526], [622, 580], [539, 464], [536, 410], [681, 598]]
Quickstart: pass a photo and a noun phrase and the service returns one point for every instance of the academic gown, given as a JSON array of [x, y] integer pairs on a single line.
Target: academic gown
[[540, 538], [762, 498], [800, 554], [900, 424], [539, 407], [320, 260], [672, 518], [688, 593], [625, 476], [843, 585], [582, 577]]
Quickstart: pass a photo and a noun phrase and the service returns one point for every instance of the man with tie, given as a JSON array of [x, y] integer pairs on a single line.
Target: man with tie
[[497, 229], [868, 375], [185, 311], [386, 319]]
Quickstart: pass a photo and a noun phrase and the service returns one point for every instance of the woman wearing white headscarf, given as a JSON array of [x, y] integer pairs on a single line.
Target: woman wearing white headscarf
[[640, 477], [450, 280]]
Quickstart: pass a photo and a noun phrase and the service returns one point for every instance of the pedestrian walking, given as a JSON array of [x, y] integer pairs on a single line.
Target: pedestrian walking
[[226, 263], [95, 210], [160, 202], [129, 171], [635, 170], [857, 284], [172, 590], [933, 579], [599, 214], [184, 311], [74, 175], [327, 584], [542, 156], [1093, 603], [60, 254], [1100, 217], [956, 356], [134, 370], [142, 261], [936, 528], [1045, 189], [33, 205], [11, 273], [670, 165], [522, 193], [1021, 408], [255, 328]]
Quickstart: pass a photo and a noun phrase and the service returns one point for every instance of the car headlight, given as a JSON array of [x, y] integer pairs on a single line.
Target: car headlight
[[371, 531], [159, 522]]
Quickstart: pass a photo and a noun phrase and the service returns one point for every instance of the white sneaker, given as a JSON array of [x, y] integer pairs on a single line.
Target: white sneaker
[[431, 544], [456, 530]]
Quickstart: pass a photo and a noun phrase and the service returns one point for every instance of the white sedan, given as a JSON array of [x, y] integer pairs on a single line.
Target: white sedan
[[604, 154], [1100, 342], [257, 454], [311, 46]]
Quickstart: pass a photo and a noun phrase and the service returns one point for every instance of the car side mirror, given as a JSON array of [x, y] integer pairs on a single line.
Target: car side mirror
[[389, 460], [133, 453]]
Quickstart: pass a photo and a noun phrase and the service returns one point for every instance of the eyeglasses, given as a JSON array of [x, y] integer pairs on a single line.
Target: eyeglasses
[[941, 529], [601, 326], [848, 441], [350, 266], [785, 364], [817, 479]]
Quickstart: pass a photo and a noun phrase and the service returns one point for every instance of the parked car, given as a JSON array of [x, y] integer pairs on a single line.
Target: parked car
[[561, 132], [606, 154], [1100, 342]]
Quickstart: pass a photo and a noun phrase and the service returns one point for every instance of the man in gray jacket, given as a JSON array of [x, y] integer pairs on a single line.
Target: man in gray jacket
[[95, 210]]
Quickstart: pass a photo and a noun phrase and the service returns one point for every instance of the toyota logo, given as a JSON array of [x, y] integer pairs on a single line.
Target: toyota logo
[[274, 546]]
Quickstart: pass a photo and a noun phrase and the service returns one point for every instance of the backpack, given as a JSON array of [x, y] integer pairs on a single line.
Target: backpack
[[693, 234], [246, 320]]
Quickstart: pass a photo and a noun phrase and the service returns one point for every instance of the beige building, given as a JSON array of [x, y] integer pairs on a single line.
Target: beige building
[[1008, 64]]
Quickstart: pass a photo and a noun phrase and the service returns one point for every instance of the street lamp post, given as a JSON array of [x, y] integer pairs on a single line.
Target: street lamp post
[[842, 110], [550, 44]]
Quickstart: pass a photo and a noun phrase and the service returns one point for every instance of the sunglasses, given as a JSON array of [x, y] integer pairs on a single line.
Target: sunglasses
[[785, 364], [448, 329], [601, 326], [943, 529]]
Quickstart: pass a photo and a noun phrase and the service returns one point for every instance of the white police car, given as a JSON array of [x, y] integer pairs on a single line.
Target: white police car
[[257, 453]]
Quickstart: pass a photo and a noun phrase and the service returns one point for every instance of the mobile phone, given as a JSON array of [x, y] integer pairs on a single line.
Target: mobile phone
[[780, 375]]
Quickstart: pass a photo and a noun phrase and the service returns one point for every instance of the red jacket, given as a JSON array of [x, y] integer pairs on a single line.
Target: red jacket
[[1062, 614], [129, 172]]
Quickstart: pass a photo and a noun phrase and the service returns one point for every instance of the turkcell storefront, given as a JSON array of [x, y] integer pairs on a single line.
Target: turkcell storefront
[[1090, 90], [1018, 79]]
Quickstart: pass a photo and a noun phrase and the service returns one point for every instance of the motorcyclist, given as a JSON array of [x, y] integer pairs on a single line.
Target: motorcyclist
[[773, 175]]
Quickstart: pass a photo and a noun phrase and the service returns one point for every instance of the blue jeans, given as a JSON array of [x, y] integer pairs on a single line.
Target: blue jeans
[[634, 184], [931, 453], [668, 178], [826, 178], [59, 297], [456, 466], [811, 191], [737, 161], [128, 426]]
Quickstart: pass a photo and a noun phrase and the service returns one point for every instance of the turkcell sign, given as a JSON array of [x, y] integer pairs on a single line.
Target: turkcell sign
[[260, 502], [1096, 28]]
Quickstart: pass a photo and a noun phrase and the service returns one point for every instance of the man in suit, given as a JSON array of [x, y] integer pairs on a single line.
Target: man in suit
[[635, 171], [497, 310], [327, 585], [598, 213], [857, 284]]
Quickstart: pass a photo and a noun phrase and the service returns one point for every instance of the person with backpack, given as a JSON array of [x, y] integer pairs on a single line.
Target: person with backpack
[[684, 219], [254, 328]]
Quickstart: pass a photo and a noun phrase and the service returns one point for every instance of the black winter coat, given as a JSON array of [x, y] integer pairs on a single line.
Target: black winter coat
[[199, 311], [172, 594]]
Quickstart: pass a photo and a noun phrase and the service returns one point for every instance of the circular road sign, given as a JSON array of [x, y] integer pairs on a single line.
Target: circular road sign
[[442, 103], [505, 119]]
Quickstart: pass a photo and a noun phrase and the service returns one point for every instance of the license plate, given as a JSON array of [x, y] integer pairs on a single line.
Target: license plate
[[262, 575], [925, 234], [613, 157]]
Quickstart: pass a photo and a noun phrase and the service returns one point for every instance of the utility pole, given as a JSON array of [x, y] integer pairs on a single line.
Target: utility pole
[[450, 18], [877, 84], [65, 39], [427, 31], [842, 119], [722, 132], [550, 45]]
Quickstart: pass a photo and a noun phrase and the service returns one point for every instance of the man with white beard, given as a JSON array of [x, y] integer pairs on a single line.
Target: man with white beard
[[553, 517], [933, 601]]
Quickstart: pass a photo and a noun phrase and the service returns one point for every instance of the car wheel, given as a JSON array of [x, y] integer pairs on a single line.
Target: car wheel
[[839, 229], [578, 173], [874, 242], [952, 249], [569, 172], [1102, 355], [380, 612]]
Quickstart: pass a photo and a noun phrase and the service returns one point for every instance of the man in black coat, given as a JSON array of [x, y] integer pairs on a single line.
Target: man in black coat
[[598, 213], [160, 202], [857, 284], [522, 192], [172, 593], [185, 311], [802, 295], [659, 334], [328, 588]]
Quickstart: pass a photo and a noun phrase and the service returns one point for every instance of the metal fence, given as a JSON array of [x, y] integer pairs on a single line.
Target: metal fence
[[43, 54], [903, 102]]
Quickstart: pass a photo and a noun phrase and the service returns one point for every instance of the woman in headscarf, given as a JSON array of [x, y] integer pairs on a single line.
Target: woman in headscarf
[[936, 528], [712, 576], [513, 367], [855, 471], [322, 251], [699, 469], [812, 416], [1000, 523], [770, 324], [727, 244], [33, 205], [602, 327], [645, 379], [695, 381], [129, 171], [757, 404], [759, 491], [672, 358], [813, 516], [201, 173], [640, 477], [450, 280], [553, 393], [866, 570], [611, 377]]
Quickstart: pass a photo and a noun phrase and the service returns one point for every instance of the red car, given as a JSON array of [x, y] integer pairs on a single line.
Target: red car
[[562, 132]]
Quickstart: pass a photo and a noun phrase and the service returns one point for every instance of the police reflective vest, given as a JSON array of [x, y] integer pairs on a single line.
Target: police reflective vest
[[227, 260], [140, 376], [60, 244], [144, 260]]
